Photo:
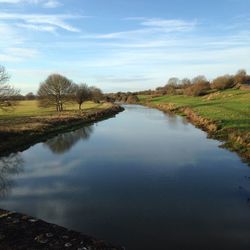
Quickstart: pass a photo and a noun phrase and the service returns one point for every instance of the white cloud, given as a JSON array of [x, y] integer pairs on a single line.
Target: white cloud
[[22, 52], [46, 28], [57, 21], [52, 4], [10, 35], [149, 28], [44, 3], [170, 25], [15, 54]]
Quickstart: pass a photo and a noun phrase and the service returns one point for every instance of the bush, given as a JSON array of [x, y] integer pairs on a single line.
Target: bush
[[223, 82], [197, 89], [240, 77]]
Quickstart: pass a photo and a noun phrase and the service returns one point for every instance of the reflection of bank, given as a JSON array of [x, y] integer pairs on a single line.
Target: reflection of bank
[[9, 166], [64, 142]]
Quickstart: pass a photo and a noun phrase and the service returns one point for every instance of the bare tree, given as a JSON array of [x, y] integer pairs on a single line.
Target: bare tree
[[30, 96], [200, 86], [199, 80], [240, 77], [55, 91], [82, 94], [96, 94], [6, 91], [174, 81], [223, 82], [185, 83]]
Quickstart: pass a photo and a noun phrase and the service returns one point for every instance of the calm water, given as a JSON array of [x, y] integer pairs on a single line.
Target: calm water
[[144, 180]]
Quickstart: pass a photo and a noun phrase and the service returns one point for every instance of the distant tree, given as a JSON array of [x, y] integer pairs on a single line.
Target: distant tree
[[185, 83], [96, 94], [200, 85], [30, 96], [240, 77], [82, 94], [223, 82], [174, 81], [7, 92], [172, 85], [199, 79], [55, 91]]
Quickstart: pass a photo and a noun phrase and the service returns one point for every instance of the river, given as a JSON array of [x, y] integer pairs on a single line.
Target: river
[[143, 180]]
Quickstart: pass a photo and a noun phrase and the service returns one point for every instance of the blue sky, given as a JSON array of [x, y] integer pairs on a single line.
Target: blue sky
[[122, 45]]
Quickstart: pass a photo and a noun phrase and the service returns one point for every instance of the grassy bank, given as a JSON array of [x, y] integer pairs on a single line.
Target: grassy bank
[[228, 111], [29, 124]]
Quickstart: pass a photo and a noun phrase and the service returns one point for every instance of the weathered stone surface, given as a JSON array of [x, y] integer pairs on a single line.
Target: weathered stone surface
[[21, 232]]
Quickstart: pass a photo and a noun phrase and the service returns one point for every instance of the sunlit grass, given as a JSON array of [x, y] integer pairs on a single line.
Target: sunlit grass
[[231, 107], [31, 108]]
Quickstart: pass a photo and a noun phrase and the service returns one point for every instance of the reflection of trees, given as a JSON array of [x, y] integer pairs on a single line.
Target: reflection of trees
[[64, 142], [172, 120], [9, 166]]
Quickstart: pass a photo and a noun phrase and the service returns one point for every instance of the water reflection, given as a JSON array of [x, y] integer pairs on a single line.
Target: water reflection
[[144, 180], [64, 142], [9, 166]]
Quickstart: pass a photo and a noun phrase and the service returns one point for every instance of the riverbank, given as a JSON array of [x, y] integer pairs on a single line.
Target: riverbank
[[19, 132], [22, 232], [224, 115]]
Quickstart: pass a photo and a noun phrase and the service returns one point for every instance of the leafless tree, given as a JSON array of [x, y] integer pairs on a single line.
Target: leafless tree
[[30, 96], [173, 81], [240, 77], [6, 91], [82, 94], [200, 86], [96, 94], [185, 83], [223, 82], [55, 91]]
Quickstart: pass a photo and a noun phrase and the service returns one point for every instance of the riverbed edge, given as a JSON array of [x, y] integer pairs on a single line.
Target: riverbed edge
[[14, 142], [231, 140], [23, 232]]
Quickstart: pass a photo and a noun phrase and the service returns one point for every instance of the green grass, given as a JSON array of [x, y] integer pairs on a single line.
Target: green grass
[[231, 107], [31, 108], [27, 115]]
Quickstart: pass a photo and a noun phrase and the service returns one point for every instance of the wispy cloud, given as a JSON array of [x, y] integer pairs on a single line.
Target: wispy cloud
[[56, 21], [52, 4], [18, 54], [170, 25], [149, 27], [44, 3], [45, 28]]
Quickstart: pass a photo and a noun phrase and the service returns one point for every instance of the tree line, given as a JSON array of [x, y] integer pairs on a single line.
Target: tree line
[[199, 85], [55, 91]]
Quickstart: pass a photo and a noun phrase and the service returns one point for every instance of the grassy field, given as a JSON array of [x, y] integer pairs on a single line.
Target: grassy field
[[231, 107], [27, 115], [31, 108]]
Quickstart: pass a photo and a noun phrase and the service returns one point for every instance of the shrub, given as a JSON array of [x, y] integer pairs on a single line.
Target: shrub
[[223, 82], [240, 77], [197, 89]]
